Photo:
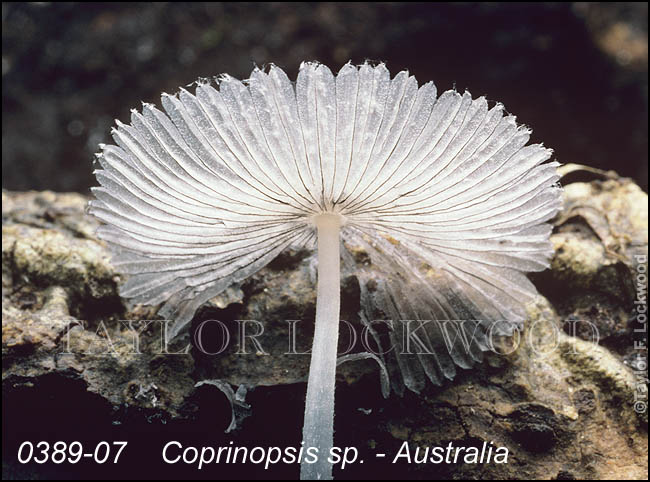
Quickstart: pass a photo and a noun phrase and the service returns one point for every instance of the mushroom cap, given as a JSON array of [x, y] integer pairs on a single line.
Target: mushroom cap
[[442, 192]]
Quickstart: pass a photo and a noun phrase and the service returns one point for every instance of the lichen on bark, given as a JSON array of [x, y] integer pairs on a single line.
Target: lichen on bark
[[561, 404]]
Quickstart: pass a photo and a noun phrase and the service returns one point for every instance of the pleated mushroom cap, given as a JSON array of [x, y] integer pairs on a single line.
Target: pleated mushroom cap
[[442, 192]]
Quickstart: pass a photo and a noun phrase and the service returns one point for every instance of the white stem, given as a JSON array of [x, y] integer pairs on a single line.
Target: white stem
[[318, 429]]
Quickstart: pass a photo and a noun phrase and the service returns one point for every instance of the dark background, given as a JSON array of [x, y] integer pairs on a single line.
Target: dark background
[[575, 73]]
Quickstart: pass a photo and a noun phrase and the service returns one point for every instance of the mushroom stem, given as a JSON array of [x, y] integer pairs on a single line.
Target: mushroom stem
[[318, 429]]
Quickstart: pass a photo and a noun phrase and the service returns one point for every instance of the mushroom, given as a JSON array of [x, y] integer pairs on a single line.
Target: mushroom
[[441, 192]]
